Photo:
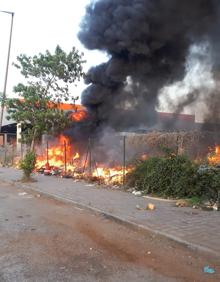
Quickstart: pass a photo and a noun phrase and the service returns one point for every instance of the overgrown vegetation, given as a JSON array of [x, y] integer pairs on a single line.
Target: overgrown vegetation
[[208, 182], [28, 165], [175, 176]]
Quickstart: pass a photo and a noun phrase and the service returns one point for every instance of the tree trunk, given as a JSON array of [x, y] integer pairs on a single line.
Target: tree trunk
[[33, 140]]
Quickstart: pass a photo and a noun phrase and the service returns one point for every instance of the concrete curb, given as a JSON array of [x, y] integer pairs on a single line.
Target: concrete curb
[[113, 217]]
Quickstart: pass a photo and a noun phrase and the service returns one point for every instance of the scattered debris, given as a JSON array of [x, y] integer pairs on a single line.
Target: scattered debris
[[150, 207], [149, 253], [215, 207], [208, 270], [182, 203], [78, 208], [207, 208], [137, 193], [22, 194], [138, 207]]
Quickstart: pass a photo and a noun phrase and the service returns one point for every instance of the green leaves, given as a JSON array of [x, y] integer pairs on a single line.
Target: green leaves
[[169, 176], [176, 176], [49, 77], [28, 164], [53, 72]]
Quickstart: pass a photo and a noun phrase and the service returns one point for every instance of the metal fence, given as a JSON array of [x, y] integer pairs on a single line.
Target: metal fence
[[9, 153], [116, 150], [124, 150]]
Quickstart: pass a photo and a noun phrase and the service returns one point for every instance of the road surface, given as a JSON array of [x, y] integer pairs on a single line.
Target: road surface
[[46, 240]]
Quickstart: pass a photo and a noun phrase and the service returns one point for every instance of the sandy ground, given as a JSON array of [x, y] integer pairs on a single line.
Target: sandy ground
[[46, 240]]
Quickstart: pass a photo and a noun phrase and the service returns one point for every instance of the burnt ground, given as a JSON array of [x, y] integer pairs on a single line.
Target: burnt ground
[[46, 240]]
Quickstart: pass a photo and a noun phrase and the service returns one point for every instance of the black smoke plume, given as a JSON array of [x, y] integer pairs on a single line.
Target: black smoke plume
[[147, 42]]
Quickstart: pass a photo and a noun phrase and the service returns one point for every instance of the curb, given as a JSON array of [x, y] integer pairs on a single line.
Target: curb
[[120, 220]]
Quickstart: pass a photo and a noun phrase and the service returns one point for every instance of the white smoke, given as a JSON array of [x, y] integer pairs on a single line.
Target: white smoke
[[199, 79]]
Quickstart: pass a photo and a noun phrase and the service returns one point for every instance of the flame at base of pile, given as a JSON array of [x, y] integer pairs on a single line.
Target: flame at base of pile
[[214, 156], [63, 160]]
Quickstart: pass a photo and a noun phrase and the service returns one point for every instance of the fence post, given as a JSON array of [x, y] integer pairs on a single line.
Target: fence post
[[5, 157], [90, 157], [13, 154], [47, 152], [124, 159], [65, 158]]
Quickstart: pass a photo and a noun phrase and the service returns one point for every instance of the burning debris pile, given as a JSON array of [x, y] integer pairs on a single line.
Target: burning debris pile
[[62, 158], [102, 162], [58, 159]]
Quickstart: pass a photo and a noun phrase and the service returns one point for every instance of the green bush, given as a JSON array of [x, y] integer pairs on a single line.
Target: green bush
[[169, 176], [208, 182], [176, 176], [28, 164]]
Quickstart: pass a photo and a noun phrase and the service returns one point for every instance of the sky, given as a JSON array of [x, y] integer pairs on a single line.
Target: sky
[[40, 26]]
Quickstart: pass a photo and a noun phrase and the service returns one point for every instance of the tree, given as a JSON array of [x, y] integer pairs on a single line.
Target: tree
[[28, 165], [48, 79]]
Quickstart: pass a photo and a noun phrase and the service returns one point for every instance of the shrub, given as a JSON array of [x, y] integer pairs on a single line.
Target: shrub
[[28, 164], [208, 182], [169, 176]]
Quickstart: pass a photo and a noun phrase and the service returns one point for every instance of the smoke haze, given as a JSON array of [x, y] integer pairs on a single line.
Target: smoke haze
[[147, 42]]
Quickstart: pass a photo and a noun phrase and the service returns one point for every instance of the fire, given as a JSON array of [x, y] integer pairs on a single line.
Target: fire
[[78, 116], [62, 159], [110, 175], [214, 157], [76, 156], [58, 155]]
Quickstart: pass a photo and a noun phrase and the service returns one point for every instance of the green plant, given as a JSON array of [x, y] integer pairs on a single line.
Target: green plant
[[195, 201], [28, 164], [208, 182], [169, 176], [49, 77]]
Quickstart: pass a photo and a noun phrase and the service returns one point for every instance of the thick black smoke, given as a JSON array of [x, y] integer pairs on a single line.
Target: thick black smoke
[[147, 42]]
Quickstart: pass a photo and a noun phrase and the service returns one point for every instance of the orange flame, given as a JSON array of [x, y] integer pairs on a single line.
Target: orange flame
[[78, 116], [111, 175], [75, 165], [214, 157], [58, 153]]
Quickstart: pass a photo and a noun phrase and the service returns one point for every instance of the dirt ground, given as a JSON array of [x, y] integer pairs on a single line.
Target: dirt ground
[[46, 240]]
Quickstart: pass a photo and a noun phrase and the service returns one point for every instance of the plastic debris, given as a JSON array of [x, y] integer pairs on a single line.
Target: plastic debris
[[22, 194], [208, 270], [137, 193], [215, 207], [138, 207], [150, 207], [182, 203]]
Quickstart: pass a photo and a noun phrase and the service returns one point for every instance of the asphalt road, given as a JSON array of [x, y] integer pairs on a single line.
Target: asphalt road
[[46, 240]]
